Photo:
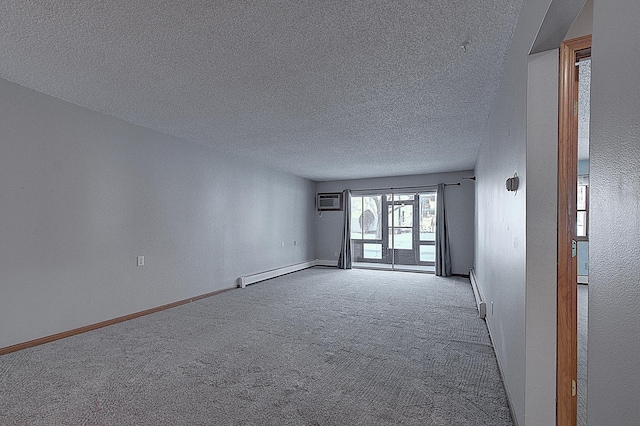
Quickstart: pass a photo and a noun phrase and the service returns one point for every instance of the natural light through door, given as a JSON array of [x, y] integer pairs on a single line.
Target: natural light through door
[[403, 237]]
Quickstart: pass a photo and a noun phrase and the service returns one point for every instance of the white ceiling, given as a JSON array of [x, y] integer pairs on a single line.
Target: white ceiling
[[322, 89]]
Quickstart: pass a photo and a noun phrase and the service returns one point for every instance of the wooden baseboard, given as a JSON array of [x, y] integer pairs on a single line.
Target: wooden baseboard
[[58, 336]]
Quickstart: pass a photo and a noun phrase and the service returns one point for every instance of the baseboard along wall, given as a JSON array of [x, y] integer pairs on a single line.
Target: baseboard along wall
[[242, 282], [273, 273], [79, 330], [480, 303], [320, 262]]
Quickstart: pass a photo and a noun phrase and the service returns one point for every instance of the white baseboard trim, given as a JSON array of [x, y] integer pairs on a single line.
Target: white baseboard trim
[[480, 303], [261, 276], [482, 310], [501, 370], [333, 263]]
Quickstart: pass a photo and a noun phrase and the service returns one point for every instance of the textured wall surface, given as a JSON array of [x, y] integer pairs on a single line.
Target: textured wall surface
[[614, 247], [460, 210], [502, 227], [82, 194], [541, 237]]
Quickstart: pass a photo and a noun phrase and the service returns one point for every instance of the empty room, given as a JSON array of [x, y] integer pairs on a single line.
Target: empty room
[[330, 213]]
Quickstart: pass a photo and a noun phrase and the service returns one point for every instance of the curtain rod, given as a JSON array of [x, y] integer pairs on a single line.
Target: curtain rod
[[405, 187]]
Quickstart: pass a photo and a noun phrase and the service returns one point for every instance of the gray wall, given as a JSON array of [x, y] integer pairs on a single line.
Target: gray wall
[[82, 194], [515, 234], [505, 266], [460, 210], [583, 24], [541, 205], [500, 216], [614, 243]]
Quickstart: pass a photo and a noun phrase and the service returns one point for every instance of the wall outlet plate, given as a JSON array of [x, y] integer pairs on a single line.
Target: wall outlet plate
[[140, 261]]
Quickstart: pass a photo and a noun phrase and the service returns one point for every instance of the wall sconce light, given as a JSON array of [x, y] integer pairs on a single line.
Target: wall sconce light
[[513, 183]]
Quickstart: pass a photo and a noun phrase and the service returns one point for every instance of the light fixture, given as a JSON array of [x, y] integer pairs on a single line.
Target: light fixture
[[513, 183]]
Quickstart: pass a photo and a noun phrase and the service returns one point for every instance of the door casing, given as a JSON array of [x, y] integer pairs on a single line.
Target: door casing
[[567, 313]]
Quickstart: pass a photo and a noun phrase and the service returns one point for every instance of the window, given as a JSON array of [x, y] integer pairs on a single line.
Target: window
[[582, 207], [366, 224], [428, 227]]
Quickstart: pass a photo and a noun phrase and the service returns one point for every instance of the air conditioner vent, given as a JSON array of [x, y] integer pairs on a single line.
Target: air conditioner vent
[[329, 201]]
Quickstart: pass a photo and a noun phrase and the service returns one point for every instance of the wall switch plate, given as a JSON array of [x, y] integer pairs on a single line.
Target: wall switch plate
[[140, 260], [282, 244]]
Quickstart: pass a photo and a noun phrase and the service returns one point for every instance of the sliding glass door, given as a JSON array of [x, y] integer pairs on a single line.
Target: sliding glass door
[[394, 230]]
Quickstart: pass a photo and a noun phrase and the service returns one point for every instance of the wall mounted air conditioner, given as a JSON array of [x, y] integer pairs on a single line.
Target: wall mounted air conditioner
[[329, 201]]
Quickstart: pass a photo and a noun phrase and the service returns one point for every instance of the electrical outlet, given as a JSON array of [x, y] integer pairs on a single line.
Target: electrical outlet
[[336, 254], [282, 244], [140, 260]]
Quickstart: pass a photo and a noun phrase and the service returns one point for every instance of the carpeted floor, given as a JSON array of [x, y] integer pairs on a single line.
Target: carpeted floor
[[318, 347]]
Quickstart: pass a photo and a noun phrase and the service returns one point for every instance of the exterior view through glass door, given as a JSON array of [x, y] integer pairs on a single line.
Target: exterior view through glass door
[[394, 230]]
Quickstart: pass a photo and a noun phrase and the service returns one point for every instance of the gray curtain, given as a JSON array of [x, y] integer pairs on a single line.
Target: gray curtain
[[344, 261], [443, 258]]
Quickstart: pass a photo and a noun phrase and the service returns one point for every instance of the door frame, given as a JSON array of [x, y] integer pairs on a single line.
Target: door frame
[[389, 255], [567, 291]]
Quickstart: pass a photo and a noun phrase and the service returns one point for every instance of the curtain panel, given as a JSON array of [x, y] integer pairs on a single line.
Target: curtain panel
[[443, 256], [344, 260]]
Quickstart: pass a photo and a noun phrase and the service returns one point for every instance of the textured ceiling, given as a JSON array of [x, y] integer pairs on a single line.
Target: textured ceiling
[[322, 89]]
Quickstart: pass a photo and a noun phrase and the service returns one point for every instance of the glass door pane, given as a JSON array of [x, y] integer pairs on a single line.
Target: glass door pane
[[401, 228]]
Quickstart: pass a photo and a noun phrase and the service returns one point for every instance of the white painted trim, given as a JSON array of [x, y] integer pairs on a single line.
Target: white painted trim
[[480, 303], [333, 263], [261, 276], [476, 291], [501, 370]]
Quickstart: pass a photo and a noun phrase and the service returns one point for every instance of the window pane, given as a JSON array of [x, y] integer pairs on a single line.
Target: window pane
[[427, 253], [582, 197], [356, 212], [370, 218], [372, 251], [365, 217], [401, 239], [400, 197], [401, 215], [428, 217], [581, 223]]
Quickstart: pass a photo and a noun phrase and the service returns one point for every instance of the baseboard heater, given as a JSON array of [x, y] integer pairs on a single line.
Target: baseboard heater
[[320, 262], [266, 275], [482, 306]]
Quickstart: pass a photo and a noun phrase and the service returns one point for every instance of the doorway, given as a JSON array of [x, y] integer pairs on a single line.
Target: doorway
[[572, 230], [394, 230]]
